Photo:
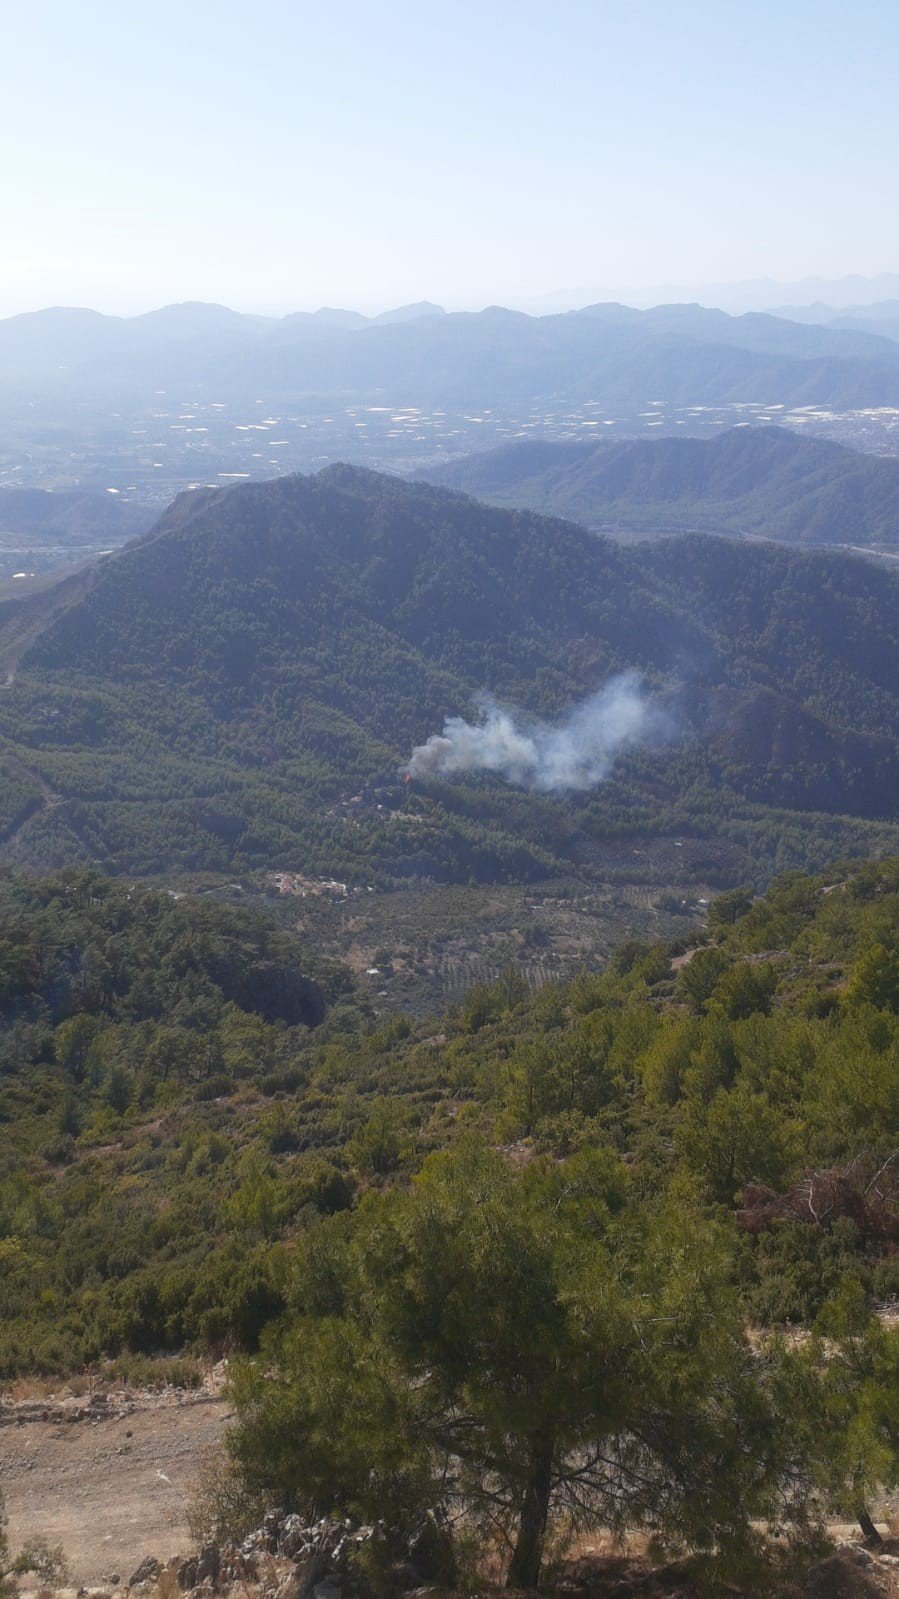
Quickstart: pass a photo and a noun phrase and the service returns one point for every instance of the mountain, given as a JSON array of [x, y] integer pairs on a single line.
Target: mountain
[[64, 342], [882, 320], [881, 317], [43, 531], [753, 294], [854, 289], [763, 481], [74, 515], [410, 313], [240, 688], [606, 355], [755, 331], [328, 319]]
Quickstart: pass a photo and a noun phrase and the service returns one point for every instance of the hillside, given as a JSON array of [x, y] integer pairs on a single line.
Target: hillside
[[766, 482], [881, 317], [43, 530], [158, 1098], [241, 689], [80, 517], [139, 999], [179, 1167]]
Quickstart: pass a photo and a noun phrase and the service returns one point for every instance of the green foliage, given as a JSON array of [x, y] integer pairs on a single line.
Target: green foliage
[[793, 1269], [241, 691], [519, 1348], [383, 1143], [763, 480], [534, 1228], [126, 1013], [845, 1392], [728, 908], [875, 979], [48, 1564], [699, 978]]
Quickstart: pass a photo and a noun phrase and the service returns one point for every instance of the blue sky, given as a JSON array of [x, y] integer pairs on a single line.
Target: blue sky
[[280, 156]]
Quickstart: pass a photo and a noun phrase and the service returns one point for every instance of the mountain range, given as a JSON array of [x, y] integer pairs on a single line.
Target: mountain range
[[752, 294], [880, 317], [763, 481], [241, 688], [604, 354]]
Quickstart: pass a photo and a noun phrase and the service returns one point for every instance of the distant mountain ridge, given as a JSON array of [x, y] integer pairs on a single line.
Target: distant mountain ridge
[[881, 317], [764, 481], [54, 338], [752, 294], [603, 354]]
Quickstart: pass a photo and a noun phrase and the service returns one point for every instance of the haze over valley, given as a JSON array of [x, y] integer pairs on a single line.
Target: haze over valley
[[141, 409]]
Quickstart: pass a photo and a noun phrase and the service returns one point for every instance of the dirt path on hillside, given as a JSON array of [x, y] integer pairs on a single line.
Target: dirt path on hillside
[[108, 1479]]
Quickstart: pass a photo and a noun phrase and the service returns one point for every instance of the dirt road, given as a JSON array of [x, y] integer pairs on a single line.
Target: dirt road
[[109, 1480]]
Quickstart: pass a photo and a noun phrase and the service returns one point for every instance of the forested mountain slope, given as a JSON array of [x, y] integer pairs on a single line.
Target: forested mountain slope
[[168, 1142], [42, 530], [763, 481], [75, 516], [217, 692]]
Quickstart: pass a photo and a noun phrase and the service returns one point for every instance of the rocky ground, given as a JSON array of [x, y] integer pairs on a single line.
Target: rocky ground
[[107, 1476]]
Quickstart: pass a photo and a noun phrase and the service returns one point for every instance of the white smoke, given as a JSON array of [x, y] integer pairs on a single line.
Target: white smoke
[[576, 753]]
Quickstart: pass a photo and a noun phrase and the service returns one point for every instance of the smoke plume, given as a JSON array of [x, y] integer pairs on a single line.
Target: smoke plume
[[576, 753]]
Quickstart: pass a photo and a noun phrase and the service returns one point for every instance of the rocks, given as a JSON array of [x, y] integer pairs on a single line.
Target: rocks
[[430, 1555], [293, 1537], [331, 1588], [209, 1564], [289, 1558], [323, 1554], [272, 1525], [312, 1572], [147, 1571]]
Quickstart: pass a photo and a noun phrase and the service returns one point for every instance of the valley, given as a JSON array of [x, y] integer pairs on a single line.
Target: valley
[[422, 949], [205, 442], [126, 413]]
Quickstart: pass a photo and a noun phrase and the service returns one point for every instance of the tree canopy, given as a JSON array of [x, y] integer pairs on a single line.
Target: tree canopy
[[519, 1349]]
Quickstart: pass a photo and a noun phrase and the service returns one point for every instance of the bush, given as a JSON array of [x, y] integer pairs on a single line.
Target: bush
[[50, 1565], [221, 1509]]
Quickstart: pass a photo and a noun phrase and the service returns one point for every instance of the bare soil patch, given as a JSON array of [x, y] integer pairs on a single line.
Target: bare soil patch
[[108, 1478]]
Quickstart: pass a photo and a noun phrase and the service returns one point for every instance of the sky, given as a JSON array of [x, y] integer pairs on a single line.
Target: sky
[[368, 153]]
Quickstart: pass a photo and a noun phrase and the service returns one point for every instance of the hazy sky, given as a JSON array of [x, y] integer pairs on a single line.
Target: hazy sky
[[290, 153]]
